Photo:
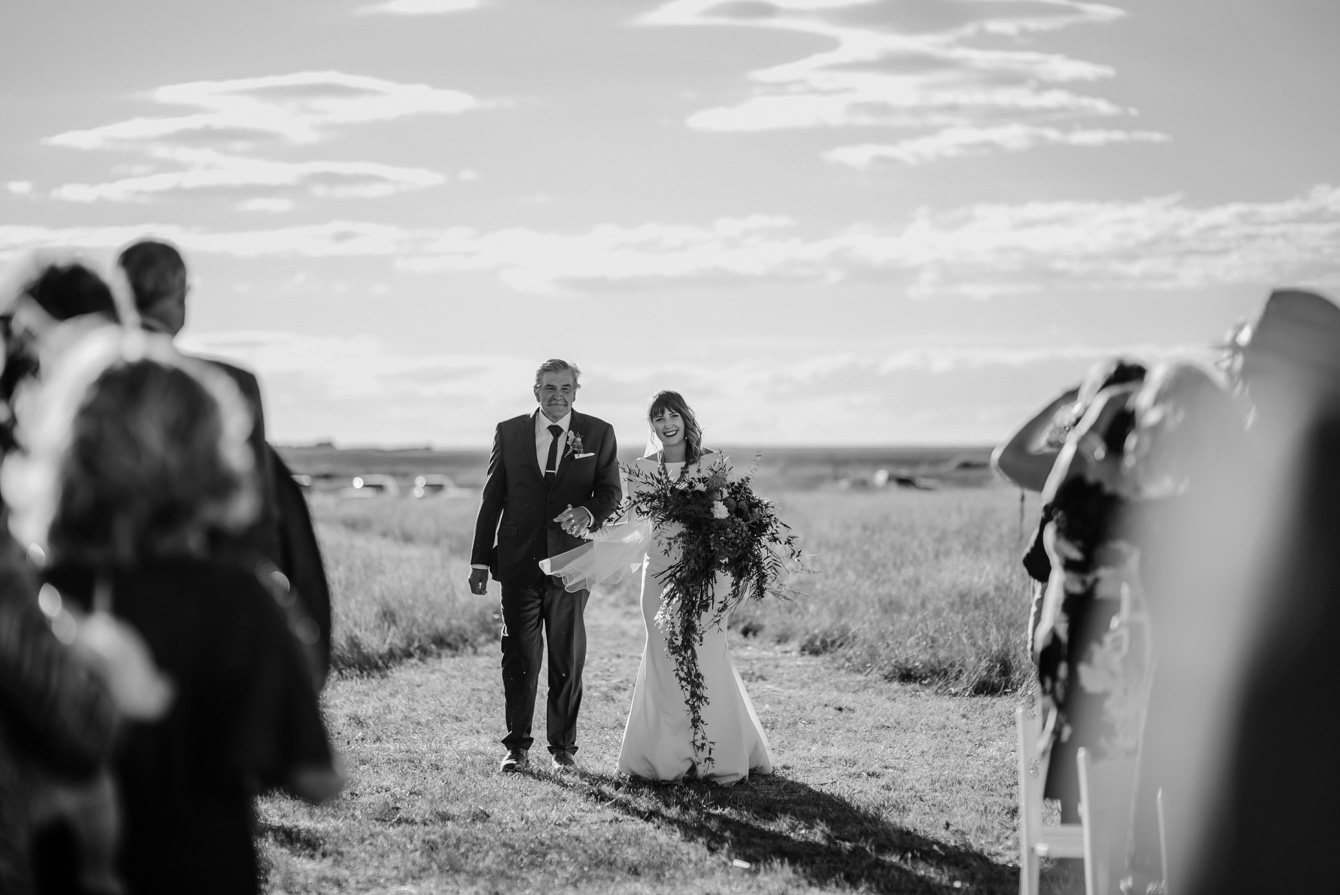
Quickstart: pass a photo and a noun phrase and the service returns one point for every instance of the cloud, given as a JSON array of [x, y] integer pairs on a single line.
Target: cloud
[[271, 206], [979, 251], [209, 170], [220, 146], [333, 367], [416, 7], [348, 386], [20, 187], [957, 142], [906, 64], [297, 108], [893, 104]]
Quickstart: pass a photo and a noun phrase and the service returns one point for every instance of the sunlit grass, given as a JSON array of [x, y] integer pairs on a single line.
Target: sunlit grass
[[919, 586], [922, 586]]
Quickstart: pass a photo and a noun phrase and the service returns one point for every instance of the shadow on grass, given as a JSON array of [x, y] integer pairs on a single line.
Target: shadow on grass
[[823, 838]]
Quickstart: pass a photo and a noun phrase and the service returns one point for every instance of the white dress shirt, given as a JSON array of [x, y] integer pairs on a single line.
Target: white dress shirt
[[543, 438]]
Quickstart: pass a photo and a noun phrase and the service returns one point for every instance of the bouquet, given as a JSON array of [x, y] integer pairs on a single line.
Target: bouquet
[[713, 524]]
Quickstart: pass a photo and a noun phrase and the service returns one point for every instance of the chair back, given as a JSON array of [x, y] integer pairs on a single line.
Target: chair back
[[1105, 792]]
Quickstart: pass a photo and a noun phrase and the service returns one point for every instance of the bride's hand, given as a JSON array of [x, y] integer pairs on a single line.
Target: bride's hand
[[575, 520]]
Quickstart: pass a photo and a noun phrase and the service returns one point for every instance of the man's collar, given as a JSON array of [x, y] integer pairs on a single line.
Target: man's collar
[[542, 422]]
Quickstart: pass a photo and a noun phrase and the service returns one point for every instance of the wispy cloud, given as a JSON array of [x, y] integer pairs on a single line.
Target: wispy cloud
[[890, 64], [979, 251], [356, 366], [216, 171], [221, 146], [296, 108], [416, 7], [957, 142]]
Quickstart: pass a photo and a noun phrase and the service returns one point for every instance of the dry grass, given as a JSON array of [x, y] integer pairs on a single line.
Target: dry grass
[[398, 583], [880, 787], [913, 586]]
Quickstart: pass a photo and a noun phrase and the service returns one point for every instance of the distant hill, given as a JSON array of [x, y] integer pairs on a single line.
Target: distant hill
[[804, 467]]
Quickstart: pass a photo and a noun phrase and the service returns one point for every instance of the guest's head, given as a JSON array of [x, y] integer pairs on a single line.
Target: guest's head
[[674, 423], [134, 452], [47, 295], [556, 385], [157, 276], [1187, 434], [1116, 371], [1288, 360]]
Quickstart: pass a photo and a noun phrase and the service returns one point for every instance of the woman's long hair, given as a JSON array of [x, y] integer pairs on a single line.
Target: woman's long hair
[[693, 433]]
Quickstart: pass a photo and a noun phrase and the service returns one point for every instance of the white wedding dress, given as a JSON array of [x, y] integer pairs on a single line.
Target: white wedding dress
[[658, 738]]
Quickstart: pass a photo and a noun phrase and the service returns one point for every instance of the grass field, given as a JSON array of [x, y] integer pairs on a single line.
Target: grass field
[[909, 585], [891, 777]]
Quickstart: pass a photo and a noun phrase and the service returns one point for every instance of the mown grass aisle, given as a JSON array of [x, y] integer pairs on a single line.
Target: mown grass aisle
[[880, 787]]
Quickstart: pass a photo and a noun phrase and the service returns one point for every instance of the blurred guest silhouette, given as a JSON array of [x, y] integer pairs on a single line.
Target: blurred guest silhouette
[[1029, 454], [45, 293], [1265, 820], [56, 724], [58, 687], [1188, 474], [282, 532], [135, 456], [1091, 643]]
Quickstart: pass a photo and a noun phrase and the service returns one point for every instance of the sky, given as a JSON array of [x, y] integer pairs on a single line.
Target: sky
[[825, 222]]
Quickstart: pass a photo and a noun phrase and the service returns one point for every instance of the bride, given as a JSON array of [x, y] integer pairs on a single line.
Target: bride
[[658, 739]]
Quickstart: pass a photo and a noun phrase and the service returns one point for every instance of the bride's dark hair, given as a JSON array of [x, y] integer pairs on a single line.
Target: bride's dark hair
[[693, 434]]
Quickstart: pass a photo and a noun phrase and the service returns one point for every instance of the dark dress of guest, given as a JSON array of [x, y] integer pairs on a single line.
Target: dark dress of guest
[[128, 491], [1028, 456], [56, 720], [1091, 644]]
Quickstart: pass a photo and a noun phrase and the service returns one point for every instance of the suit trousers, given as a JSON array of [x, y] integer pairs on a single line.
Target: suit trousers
[[533, 615]]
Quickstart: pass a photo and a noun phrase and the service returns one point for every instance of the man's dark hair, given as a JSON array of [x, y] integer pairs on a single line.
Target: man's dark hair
[[155, 271]]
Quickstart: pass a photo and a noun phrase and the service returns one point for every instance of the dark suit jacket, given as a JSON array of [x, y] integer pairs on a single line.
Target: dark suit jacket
[[263, 534], [518, 509], [282, 533], [300, 560]]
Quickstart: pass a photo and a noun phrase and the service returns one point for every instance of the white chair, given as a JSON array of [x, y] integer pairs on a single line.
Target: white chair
[[1105, 792], [1163, 842], [1038, 840]]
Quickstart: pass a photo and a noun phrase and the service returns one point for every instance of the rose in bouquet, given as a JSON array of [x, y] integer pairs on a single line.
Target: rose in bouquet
[[713, 523]]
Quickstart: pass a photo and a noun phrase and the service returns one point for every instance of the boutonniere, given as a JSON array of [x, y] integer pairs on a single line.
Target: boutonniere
[[575, 445]]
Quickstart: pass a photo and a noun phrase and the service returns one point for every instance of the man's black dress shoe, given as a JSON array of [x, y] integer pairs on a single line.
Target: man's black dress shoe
[[563, 761], [516, 760]]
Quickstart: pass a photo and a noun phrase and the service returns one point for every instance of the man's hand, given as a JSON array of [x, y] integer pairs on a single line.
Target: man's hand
[[575, 520], [479, 581]]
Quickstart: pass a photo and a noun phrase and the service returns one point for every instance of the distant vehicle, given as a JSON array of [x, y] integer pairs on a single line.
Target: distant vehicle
[[434, 485], [371, 485], [303, 480]]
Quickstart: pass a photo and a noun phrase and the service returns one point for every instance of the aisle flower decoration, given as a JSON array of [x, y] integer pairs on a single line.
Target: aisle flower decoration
[[715, 523]]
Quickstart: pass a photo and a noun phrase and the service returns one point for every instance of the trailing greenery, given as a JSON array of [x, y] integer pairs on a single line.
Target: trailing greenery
[[712, 524]]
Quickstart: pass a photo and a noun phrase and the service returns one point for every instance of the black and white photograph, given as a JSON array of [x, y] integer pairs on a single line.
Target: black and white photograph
[[644, 447]]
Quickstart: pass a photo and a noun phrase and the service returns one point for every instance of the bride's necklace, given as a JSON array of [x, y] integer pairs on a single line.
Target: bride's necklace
[[660, 459]]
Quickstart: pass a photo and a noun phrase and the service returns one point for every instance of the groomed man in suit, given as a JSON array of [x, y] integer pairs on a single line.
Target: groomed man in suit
[[552, 475], [283, 533]]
